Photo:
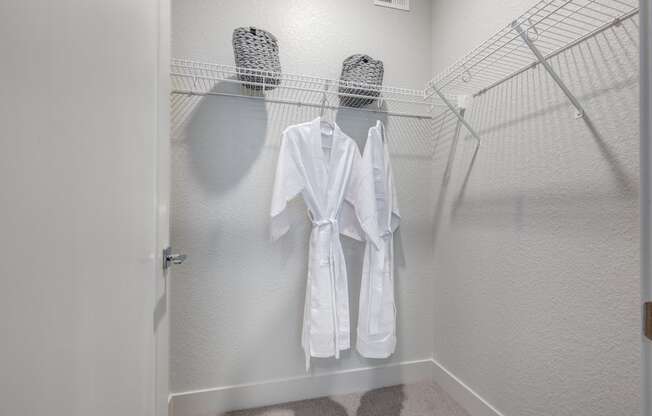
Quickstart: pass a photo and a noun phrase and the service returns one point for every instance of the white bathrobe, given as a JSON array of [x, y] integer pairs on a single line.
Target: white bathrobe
[[339, 197], [377, 316]]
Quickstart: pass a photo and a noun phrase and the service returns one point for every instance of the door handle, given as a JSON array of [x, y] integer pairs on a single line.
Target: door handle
[[647, 320], [170, 258]]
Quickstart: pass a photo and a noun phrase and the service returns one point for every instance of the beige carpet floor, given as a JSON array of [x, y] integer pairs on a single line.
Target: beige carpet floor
[[421, 399]]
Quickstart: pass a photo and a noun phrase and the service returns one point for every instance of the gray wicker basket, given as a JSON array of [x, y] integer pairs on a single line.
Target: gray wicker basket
[[360, 71], [256, 56]]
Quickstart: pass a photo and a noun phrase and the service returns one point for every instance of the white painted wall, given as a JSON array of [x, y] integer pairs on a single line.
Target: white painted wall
[[536, 289], [79, 116], [238, 302]]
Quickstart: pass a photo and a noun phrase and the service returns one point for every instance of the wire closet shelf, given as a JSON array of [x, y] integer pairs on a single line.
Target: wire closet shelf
[[544, 31], [547, 29], [206, 79]]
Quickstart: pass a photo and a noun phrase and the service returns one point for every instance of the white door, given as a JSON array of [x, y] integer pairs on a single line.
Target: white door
[[161, 308], [646, 196], [80, 136]]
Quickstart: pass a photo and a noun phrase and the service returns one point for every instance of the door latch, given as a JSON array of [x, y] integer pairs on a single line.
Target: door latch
[[647, 320], [170, 258]]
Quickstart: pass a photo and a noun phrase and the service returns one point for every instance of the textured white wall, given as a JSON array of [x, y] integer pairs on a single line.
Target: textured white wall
[[237, 303], [537, 255]]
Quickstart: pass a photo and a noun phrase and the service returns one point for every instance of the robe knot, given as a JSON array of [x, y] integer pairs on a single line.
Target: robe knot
[[322, 223]]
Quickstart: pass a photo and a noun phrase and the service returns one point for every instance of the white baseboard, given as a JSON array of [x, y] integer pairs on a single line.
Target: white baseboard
[[475, 404], [212, 402]]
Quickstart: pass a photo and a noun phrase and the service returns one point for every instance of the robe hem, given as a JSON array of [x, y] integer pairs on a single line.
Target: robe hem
[[377, 350]]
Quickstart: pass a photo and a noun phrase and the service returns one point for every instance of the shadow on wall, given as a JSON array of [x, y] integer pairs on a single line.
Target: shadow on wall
[[228, 148], [356, 124], [226, 136], [528, 120], [387, 401], [409, 138]]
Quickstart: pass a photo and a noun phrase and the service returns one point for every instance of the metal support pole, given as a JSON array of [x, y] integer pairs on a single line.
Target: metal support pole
[[579, 110], [299, 103], [451, 154], [445, 181], [459, 116]]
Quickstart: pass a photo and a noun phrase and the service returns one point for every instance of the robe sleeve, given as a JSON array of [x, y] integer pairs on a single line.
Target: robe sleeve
[[288, 183], [396, 215], [359, 219]]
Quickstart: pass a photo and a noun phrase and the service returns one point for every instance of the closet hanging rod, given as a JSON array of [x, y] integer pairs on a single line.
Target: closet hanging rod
[[300, 103]]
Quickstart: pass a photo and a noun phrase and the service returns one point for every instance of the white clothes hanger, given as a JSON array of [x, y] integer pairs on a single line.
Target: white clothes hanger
[[381, 129]]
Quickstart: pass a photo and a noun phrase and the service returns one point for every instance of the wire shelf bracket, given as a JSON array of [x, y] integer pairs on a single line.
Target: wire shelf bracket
[[458, 111], [523, 33], [544, 31]]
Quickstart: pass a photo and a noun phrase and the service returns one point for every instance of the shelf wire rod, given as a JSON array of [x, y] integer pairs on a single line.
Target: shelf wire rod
[[606, 5], [506, 52], [585, 11], [517, 55], [299, 103], [546, 27], [469, 68], [488, 73], [555, 9], [570, 31], [509, 60], [571, 13], [494, 39], [628, 5], [498, 52], [505, 60], [551, 40], [579, 11], [574, 18]]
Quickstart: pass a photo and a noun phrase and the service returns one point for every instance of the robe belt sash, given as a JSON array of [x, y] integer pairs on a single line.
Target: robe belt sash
[[333, 224], [377, 283]]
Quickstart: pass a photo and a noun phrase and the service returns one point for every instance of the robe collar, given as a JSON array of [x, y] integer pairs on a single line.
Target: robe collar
[[331, 161], [328, 165]]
